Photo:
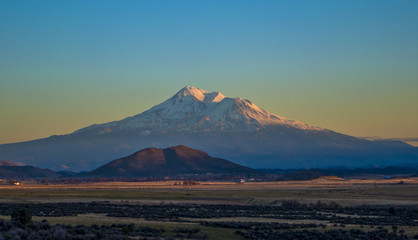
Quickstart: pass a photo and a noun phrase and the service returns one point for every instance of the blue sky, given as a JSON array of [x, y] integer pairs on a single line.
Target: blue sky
[[350, 66]]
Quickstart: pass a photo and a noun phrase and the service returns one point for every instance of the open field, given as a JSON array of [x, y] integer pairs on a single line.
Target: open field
[[347, 192], [366, 209]]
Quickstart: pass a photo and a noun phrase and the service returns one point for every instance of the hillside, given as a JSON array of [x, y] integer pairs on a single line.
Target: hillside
[[172, 161], [25, 172]]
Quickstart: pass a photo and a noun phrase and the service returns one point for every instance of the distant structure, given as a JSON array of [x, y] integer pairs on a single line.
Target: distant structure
[[241, 181], [190, 182], [186, 183]]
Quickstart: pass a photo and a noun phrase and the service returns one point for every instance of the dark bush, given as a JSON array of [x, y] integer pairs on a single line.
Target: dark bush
[[21, 216]]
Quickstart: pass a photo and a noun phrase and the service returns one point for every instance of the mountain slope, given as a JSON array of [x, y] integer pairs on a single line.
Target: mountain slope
[[173, 161], [25, 172], [230, 128], [195, 110]]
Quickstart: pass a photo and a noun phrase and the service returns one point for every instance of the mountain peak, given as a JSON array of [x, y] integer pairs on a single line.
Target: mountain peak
[[196, 93], [199, 94], [196, 110], [233, 128], [180, 147]]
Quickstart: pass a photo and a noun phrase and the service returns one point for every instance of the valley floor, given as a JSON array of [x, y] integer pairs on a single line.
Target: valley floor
[[226, 210], [345, 192]]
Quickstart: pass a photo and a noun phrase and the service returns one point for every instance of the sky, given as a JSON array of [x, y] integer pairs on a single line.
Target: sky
[[349, 66]]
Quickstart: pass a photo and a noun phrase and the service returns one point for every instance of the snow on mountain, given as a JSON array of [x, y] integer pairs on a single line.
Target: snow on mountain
[[193, 109], [228, 128]]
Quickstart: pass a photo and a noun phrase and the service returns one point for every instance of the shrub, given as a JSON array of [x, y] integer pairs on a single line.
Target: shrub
[[21, 216]]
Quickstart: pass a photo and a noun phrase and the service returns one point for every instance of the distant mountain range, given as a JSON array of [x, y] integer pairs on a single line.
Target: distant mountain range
[[178, 161], [9, 170], [181, 162], [230, 128], [371, 172]]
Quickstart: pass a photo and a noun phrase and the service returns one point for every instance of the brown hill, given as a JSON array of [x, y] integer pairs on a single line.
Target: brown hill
[[173, 161]]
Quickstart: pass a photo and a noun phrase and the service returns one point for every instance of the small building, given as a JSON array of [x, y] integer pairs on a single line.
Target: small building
[[241, 181]]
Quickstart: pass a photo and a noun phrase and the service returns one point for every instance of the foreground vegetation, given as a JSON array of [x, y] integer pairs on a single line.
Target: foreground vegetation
[[195, 221], [161, 210], [291, 210], [43, 230]]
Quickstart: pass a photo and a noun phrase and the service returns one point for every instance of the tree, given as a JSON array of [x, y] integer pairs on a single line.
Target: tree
[[21, 216], [392, 211]]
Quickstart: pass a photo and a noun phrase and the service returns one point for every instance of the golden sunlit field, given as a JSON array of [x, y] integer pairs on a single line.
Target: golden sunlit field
[[345, 192]]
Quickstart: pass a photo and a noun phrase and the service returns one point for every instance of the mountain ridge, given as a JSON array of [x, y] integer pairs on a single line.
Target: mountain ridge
[[25, 172], [204, 111]]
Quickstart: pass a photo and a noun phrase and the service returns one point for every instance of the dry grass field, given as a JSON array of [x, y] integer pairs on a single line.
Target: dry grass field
[[344, 192], [385, 193]]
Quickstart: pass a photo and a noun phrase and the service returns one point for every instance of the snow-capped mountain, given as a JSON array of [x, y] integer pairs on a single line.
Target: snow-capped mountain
[[230, 128], [196, 110]]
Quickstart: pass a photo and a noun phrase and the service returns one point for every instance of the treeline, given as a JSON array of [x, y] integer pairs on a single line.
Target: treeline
[[353, 234], [380, 219], [330, 212], [44, 231]]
